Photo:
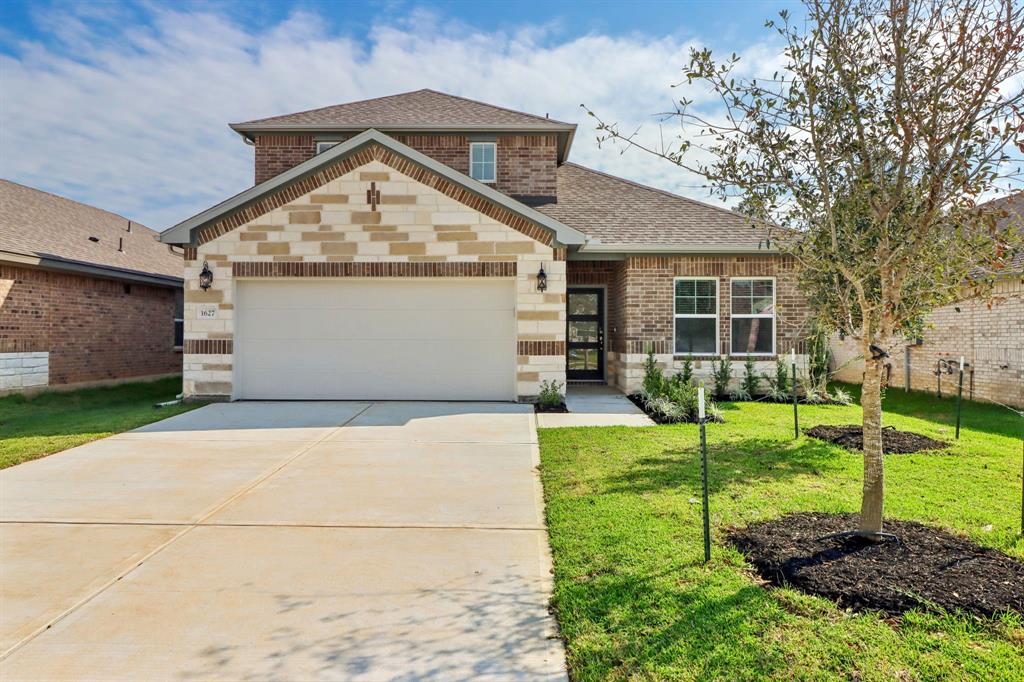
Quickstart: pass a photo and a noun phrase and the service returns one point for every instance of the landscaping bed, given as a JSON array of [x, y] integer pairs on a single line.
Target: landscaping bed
[[537, 407], [851, 437], [923, 567]]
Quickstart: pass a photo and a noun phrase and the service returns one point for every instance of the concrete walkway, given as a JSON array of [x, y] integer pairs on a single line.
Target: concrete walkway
[[596, 405], [334, 541]]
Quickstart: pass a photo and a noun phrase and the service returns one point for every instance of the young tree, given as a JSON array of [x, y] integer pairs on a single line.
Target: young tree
[[868, 153]]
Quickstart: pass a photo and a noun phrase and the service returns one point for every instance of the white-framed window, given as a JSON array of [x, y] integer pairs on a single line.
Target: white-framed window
[[752, 327], [695, 307], [324, 145], [483, 161]]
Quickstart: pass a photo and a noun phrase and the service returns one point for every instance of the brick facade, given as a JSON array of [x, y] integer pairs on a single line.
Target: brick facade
[[419, 229], [526, 164], [94, 330], [640, 291], [991, 339]]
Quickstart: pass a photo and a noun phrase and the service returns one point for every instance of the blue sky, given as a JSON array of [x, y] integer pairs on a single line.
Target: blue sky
[[125, 105]]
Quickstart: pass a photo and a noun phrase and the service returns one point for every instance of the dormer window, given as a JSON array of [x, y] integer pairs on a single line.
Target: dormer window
[[324, 145], [483, 161]]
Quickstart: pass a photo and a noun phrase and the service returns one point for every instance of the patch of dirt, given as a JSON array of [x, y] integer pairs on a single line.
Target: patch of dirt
[[556, 408], [851, 437], [925, 567]]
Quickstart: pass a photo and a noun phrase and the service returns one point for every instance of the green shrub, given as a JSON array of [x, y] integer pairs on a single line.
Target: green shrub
[[721, 374], [686, 374], [751, 384], [550, 394], [654, 380]]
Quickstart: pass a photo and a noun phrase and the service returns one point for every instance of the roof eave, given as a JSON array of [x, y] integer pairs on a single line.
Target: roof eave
[[90, 269], [182, 232], [671, 249]]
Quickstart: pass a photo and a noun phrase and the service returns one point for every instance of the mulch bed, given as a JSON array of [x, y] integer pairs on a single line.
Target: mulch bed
[[925, 567], [851, 437], [557, 408]]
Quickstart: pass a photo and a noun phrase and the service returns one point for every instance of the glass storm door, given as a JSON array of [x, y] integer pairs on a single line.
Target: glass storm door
[[585, 335]]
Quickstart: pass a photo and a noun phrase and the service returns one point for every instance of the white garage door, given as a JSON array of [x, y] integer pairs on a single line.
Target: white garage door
[[382, 339]]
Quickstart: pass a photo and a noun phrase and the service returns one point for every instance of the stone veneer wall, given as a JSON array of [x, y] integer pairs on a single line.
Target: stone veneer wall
[[641, 311], [991, 339], [526, 164], [93, 330], [331, 231]]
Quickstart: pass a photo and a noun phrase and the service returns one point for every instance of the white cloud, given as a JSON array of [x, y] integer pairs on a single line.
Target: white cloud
[[134, 119]]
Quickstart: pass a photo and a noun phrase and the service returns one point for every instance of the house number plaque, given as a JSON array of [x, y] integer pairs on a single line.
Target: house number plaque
[[208, 312]]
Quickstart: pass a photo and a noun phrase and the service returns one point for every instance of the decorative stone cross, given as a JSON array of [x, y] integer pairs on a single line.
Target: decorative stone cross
[[373, 196]]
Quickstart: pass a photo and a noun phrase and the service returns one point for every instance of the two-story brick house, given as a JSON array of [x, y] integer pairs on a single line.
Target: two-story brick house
[[426, 246]]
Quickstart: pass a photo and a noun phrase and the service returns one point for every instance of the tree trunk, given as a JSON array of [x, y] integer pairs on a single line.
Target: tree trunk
[[874, 480]]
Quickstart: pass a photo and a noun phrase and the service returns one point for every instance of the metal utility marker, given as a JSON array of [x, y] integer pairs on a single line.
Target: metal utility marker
[[959, 397], [796, 419], [704, 472]]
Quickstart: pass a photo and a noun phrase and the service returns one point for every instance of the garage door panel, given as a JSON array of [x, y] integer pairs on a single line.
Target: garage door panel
[[304, 323], [376, 339], [379, 293]]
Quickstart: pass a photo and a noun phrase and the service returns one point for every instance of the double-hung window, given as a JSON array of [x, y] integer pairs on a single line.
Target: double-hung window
[[753, 317], [696, 316], [483, 165]]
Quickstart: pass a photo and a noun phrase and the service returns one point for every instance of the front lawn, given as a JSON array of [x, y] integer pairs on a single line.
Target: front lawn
[[35, 426], [635, 602]]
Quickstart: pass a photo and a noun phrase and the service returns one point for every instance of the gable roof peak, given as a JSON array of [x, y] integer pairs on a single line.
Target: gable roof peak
[[416, 109]]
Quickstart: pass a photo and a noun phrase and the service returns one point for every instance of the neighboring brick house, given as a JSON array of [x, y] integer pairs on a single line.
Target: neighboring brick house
[[86, 297], [988, 333], [426, 246]]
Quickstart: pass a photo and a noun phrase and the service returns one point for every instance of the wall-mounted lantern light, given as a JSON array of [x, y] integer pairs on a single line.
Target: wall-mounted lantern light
[[542, 280], [205, 277]]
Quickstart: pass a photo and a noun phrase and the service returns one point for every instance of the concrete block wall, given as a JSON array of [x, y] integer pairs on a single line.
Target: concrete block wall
[[333, 223], [989, 334], [24, 370]]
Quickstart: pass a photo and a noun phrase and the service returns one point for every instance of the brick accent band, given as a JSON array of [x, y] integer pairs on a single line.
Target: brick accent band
[[359, 158], [375, 269], [541, 348], [209, 346]]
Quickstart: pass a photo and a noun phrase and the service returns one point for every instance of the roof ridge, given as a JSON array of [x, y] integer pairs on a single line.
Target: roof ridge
[[672, 195], [329, 106], [134, 223], [542, 119], [545, 119]]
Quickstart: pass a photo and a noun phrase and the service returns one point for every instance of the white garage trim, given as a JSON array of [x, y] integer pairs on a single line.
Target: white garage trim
[[375, 339]]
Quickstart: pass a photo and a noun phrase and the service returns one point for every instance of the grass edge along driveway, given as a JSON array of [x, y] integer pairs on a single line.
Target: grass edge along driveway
[[635, 602], [35, 426]]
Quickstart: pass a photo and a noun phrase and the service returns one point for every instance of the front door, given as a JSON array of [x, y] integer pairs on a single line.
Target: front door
[[585, 335]]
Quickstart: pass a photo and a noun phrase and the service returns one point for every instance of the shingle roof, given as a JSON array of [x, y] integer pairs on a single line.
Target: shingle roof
[[419, 109], [1011, 208], [617, 211], [44, 225]]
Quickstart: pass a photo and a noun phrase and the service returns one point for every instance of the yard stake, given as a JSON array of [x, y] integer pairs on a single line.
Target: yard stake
[[704, 472], [796, 419], [959, 397]]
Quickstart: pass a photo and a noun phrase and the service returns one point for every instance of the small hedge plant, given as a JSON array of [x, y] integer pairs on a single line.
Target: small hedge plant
[[550, 395], [672, 400]]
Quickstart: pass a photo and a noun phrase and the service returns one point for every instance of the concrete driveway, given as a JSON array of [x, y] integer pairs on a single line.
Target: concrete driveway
[[333, 541]]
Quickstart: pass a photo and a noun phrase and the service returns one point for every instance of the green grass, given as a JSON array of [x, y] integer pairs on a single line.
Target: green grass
[[36, 426], [635, 601]]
